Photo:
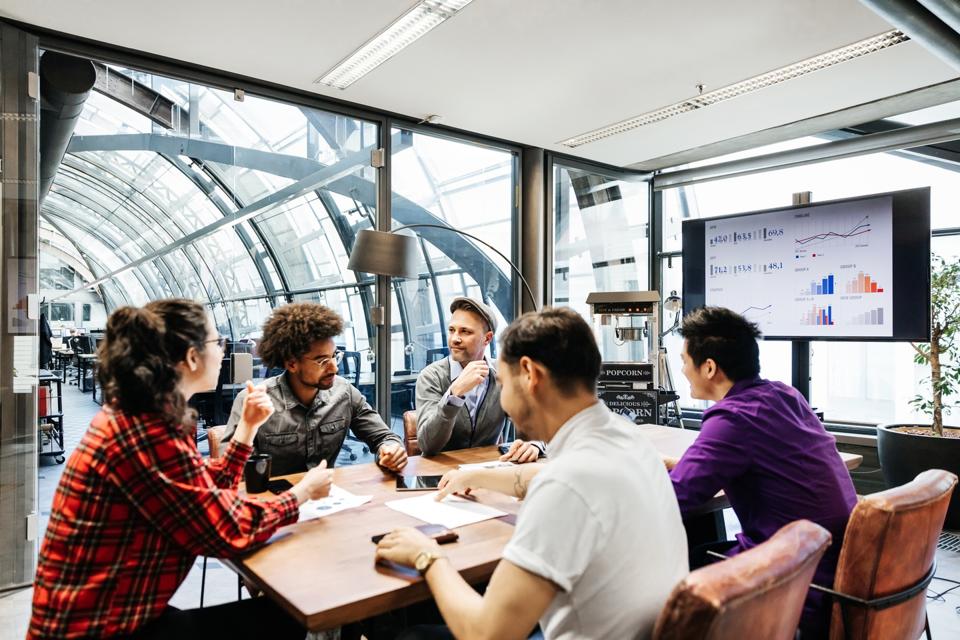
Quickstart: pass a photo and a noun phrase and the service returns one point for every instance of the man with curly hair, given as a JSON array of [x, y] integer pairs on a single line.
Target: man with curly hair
[[314, 406]]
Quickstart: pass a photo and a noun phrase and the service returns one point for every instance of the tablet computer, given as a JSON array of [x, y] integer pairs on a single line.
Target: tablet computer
[[418, 483]]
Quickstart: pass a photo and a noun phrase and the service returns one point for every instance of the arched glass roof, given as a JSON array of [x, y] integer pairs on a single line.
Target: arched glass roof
[[134, 186]]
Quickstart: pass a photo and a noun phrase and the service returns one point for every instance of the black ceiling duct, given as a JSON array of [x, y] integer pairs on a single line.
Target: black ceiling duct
[[65, 83]]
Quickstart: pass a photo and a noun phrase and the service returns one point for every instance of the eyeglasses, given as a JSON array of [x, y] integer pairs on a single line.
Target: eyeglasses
[[337, 358], [220, 340]]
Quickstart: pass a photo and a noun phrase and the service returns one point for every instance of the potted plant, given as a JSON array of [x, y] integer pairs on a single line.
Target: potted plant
[[907, 449]]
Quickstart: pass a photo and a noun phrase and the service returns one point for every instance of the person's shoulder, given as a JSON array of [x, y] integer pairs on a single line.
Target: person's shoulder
[[438, 370]]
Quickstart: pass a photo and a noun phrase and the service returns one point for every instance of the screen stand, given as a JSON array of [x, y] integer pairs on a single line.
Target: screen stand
[[801, 367]]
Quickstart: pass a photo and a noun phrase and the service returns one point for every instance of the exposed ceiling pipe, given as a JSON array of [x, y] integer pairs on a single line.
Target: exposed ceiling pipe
[[65, 83], [947, 10], [921, 25]]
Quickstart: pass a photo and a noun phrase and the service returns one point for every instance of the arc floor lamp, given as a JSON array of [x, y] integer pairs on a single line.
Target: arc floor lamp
[[388, 253]]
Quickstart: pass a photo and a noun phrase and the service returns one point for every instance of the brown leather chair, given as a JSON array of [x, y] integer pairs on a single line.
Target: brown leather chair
[[887, 560], [215, 439], [410, 433], [755, 594]]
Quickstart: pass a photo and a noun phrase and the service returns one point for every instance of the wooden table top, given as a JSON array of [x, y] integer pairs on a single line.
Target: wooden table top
[[322, 571], [672, 442]]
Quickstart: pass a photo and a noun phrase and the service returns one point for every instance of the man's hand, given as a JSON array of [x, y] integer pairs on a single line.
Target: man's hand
[[456, 481], [669, 462], [402, 546], [392, 456], [471, 377], [315, 484], [257, 409], [521, 452]]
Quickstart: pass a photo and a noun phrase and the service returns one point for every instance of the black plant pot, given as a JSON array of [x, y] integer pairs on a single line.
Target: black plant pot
[[903, 456]]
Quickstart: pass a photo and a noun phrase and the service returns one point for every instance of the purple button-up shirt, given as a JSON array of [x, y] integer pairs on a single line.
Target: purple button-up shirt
[[765, 448]]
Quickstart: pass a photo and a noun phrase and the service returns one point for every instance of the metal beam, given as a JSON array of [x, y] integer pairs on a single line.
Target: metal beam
[[921, 25], [313, 181], [279, 164], [141, 98], [404, 211], [875, 143]]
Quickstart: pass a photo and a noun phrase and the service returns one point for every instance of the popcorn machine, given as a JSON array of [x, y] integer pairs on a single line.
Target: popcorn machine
[[626, 325]]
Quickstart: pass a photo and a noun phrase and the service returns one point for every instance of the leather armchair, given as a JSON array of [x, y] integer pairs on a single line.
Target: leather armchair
[[755, 594], [410, 433], [887, 560]]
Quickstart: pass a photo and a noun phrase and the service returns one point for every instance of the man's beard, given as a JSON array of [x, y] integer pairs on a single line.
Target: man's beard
[[322, 384]]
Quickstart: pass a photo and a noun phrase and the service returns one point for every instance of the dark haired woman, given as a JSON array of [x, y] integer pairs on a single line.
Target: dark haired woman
[[137, 503]]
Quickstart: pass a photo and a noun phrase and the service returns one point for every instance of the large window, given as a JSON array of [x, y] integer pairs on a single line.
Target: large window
[[469, 188], [601, 239], [866, 382]]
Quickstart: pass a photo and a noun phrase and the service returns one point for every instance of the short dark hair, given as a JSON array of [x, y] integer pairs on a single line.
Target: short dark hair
[[560, 340], [293, 328], [726, 337]]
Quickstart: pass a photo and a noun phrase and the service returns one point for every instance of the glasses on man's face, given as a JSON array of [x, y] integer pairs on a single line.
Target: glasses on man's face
[[220, 340], [336, 359]]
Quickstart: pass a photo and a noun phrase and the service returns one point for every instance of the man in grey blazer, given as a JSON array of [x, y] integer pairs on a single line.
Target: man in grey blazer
[[458, 399]]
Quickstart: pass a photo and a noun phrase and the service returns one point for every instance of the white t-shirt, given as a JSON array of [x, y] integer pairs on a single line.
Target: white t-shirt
[[602, 523]]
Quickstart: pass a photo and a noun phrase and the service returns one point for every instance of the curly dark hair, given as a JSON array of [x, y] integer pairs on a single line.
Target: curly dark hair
[[560, 340], [138, 357], [724, 336], [293, 328]]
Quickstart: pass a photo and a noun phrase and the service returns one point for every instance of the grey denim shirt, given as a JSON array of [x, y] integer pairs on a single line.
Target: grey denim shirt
[[299, 437]]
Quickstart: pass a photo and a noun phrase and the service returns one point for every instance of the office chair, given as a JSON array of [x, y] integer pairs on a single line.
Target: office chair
[[437, 354], [349, 368]]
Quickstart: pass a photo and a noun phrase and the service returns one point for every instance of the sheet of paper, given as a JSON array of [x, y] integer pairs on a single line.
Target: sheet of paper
[[338, 500], [453, 512], [492, 464]]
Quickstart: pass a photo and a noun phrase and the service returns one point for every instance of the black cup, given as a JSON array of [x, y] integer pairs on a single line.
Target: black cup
[[256, 473]]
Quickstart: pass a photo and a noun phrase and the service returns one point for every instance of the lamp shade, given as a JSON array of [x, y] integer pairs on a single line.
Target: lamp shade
[[385, 254]]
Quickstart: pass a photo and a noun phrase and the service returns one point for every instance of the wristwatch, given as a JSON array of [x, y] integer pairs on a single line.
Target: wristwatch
[[425, 560]]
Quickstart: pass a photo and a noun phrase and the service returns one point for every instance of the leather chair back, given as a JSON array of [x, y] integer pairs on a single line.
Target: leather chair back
[[889, 546], [215, 439], [758, 593], [410, 433]]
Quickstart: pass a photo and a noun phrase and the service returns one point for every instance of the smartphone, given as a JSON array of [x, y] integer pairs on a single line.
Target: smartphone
[[505, 449], [279, 486], [436, 531], [418, 483]]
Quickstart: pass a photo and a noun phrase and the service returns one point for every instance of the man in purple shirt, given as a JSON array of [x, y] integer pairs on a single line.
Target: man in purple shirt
[[762, 445]]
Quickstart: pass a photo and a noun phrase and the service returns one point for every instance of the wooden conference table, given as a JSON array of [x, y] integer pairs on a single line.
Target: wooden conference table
[[323, 572]]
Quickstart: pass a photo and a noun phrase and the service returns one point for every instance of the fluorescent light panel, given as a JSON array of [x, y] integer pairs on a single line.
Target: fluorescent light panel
[[405, 30], [796, 70]]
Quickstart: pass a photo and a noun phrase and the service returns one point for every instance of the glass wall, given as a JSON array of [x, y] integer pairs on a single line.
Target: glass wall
[[866, 382], [467, 188], [295, 182], [601, 239]]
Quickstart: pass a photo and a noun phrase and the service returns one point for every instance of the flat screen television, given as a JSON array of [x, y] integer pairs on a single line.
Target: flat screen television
[[852, 269]]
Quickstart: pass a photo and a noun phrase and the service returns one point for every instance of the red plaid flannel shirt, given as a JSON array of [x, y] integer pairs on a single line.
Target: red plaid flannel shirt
[[136, 505]]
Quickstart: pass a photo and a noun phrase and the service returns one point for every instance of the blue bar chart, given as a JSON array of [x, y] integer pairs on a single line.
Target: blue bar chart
[[822, 288]]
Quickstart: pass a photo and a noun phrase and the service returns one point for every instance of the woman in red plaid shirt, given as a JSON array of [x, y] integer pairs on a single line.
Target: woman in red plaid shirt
[[137, 503]]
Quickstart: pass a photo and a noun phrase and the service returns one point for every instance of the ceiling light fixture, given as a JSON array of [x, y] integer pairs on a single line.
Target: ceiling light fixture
[[405, 30], [789, 72]]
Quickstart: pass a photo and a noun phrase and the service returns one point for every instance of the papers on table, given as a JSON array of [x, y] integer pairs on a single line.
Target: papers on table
[[338, 500], [493, 464], [453, 512]]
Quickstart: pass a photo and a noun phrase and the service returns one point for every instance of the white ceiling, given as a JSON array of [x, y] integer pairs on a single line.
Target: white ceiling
[[532, 71]]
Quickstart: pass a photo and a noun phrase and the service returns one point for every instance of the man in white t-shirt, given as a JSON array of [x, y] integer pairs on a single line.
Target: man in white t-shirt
[[599, 542]]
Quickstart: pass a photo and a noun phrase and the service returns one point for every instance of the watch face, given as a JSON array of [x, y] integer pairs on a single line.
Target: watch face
[[422, 561]]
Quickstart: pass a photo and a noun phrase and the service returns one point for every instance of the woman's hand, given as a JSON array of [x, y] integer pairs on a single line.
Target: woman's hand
[[257, 409]]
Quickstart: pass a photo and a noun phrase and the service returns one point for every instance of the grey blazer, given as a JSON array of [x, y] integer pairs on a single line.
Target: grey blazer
[[448, 427]]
